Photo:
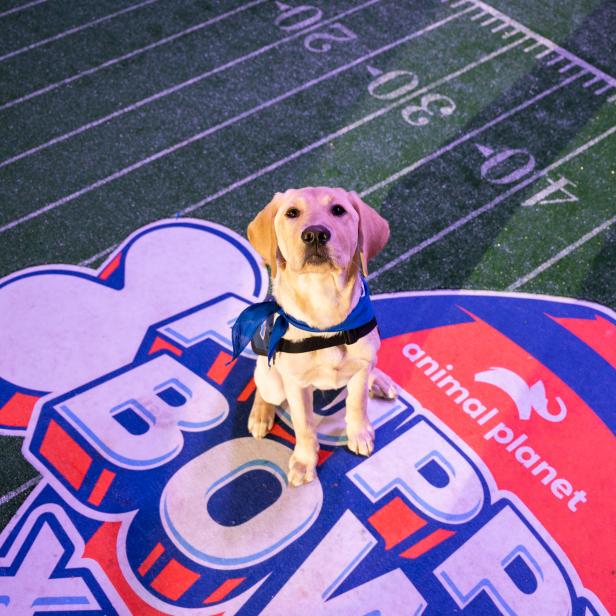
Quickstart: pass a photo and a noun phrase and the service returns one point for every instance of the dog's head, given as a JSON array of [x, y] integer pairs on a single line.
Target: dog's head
[[317, 230]]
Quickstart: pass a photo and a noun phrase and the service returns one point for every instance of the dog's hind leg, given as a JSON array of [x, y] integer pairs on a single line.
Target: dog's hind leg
[[381, 386]]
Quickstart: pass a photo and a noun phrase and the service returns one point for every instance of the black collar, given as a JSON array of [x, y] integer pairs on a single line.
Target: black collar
[[313, 343]]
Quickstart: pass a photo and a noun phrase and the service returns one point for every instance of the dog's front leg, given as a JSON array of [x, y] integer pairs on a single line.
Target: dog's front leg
[[269, 395], [360, 432], [303, 461]]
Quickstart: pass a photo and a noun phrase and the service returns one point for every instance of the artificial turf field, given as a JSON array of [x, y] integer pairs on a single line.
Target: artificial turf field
[[486, 138]]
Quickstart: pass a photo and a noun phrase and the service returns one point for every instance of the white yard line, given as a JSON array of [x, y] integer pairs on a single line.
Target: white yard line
[[213, 129], [561, 255], [17, 491], [339, 133], [130, 54], [488, 206], [590, 82], [467, 136], [23, 7], [177, 87], [98, 255], [605, 88], [61, 35]]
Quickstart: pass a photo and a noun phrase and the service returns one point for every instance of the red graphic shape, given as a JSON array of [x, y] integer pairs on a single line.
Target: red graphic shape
[[247, 391], [219, 370], [396, 521], [224, 589], [278, 430], [103, 483], [102, 547], [598, 333], [111, 267], [567, 493], [427, 543], [17, 411], [157, 551], [323, 455], [161, 344], [174, 580], [69, 459]]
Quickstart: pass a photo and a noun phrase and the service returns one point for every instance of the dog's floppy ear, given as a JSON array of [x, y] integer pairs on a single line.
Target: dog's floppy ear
[[262, 235], [373, 230]]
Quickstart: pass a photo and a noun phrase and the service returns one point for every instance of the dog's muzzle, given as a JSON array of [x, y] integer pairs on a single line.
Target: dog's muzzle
[[315, 239]]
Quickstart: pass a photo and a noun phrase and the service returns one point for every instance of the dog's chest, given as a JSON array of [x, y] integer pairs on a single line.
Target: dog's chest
[[329, 368]]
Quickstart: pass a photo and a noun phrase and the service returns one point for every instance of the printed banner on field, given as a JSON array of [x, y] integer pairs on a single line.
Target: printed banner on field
[[489, 492]]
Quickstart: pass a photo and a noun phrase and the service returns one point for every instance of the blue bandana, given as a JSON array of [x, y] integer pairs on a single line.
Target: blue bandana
[[254, 316]]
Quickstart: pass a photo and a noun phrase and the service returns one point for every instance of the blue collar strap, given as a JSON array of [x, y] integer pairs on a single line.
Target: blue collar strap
[[256, 316]]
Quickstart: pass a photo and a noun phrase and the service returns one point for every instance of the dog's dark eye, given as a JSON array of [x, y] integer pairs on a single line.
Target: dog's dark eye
[[338, 210], [292, 212]]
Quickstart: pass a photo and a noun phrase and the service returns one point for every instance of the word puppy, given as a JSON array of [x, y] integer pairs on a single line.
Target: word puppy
[[319, 330]]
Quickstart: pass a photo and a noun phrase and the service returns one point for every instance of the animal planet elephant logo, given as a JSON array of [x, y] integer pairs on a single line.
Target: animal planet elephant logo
[[527, 398]]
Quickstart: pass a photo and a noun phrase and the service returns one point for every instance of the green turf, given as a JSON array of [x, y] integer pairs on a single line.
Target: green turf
[[492, 251]]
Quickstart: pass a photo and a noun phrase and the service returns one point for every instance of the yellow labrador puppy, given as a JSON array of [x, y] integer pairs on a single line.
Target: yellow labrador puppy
[[316, 242]]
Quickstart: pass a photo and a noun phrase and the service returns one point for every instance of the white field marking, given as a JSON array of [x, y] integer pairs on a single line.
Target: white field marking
[[98, 255], [533, 46], [126, 56], [561, 255], [17, 491], [455, 5], [611, 99], [567, 67], [547, 42], [340, 132], [478, 16], [589, 83], [23, 7], [488, 206], [470, 135], [551, 51], [545, 52], [605, 88], [213, 129], [499, 28], [488, 21], [509, 34], [70, 31], [177, 87], [554, 60]]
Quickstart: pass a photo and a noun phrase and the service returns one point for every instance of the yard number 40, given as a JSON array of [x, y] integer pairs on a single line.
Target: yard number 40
[[506, 166]]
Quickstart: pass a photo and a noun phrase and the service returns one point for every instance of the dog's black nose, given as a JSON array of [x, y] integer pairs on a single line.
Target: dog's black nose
[[316, 235]]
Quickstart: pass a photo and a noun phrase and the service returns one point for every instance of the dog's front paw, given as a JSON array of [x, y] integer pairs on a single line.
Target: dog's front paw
[[361, 438], [261, 419], [302, 467]]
